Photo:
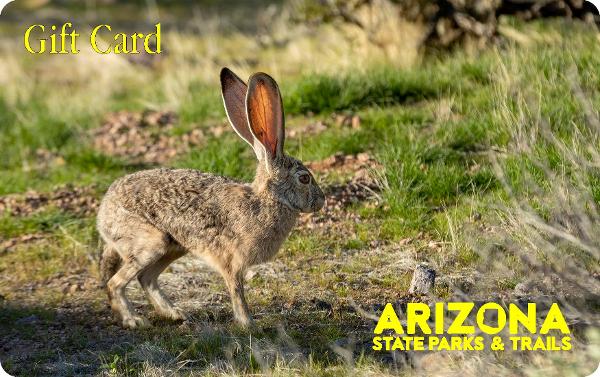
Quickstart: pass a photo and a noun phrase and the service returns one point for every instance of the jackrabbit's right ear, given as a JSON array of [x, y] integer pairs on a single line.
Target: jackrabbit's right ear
[[265, 113], [234, 90]]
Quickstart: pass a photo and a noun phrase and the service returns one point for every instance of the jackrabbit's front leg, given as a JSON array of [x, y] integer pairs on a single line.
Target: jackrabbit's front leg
[[235, 284]]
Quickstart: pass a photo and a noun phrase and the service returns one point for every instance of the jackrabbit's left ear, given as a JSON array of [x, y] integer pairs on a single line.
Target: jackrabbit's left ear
[[265, 113], [233, 91]]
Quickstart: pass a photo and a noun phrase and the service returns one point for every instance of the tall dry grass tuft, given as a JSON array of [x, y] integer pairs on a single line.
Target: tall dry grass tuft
[[547, 245], [67, 85], [542, 241], [285, 48], [552, 215], [384, 38]]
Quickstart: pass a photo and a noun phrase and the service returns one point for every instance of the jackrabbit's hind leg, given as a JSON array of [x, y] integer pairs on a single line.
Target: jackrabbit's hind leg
[[149, 281], [139, 259], [116, 293]]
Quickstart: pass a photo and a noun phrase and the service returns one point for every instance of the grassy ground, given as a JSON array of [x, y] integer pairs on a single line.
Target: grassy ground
[[486, 169]]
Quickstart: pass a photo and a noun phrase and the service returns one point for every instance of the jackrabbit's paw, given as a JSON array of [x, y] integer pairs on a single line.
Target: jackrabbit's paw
[[135, 322], [177, 314], [245, 321]]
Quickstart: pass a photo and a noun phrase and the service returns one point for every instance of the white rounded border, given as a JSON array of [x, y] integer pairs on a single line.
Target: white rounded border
[[595, 3], [3, 3], [2, 371]]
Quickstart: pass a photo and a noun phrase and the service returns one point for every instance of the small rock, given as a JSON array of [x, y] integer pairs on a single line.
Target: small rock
[[404, 241], [423, 280]]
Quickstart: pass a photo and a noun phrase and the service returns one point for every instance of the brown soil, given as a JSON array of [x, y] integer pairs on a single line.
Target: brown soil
[[78, 200], [11, 243], [143, 137], [352, 121], [359, 187], [339, 163]]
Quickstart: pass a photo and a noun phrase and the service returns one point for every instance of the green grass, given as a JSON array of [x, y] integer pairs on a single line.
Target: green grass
[[383, 87]]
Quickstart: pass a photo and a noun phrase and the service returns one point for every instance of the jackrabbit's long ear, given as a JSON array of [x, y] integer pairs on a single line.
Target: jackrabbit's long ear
[[233, 90], [265, 113]]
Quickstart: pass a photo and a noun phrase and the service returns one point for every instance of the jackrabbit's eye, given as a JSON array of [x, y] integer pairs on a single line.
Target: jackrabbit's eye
[[304, 179]]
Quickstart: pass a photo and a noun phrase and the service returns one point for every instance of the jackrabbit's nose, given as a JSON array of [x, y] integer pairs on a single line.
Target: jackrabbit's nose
[[319, 203]]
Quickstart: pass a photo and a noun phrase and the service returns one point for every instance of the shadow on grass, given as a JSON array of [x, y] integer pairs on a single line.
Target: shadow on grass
[[80, 337], [69, 340]]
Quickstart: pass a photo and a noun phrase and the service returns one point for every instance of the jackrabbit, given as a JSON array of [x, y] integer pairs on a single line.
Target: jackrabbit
[[151, 218]]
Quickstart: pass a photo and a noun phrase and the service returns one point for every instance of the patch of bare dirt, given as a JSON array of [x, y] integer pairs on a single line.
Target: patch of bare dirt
[[143, 137], [11, 243], [78, 200], [357, 189], [351, 121], [309, 129], [360, 187], [340, 163], [46, 159]]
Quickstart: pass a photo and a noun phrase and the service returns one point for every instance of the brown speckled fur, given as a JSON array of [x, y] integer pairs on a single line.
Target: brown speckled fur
[[150, 218]]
